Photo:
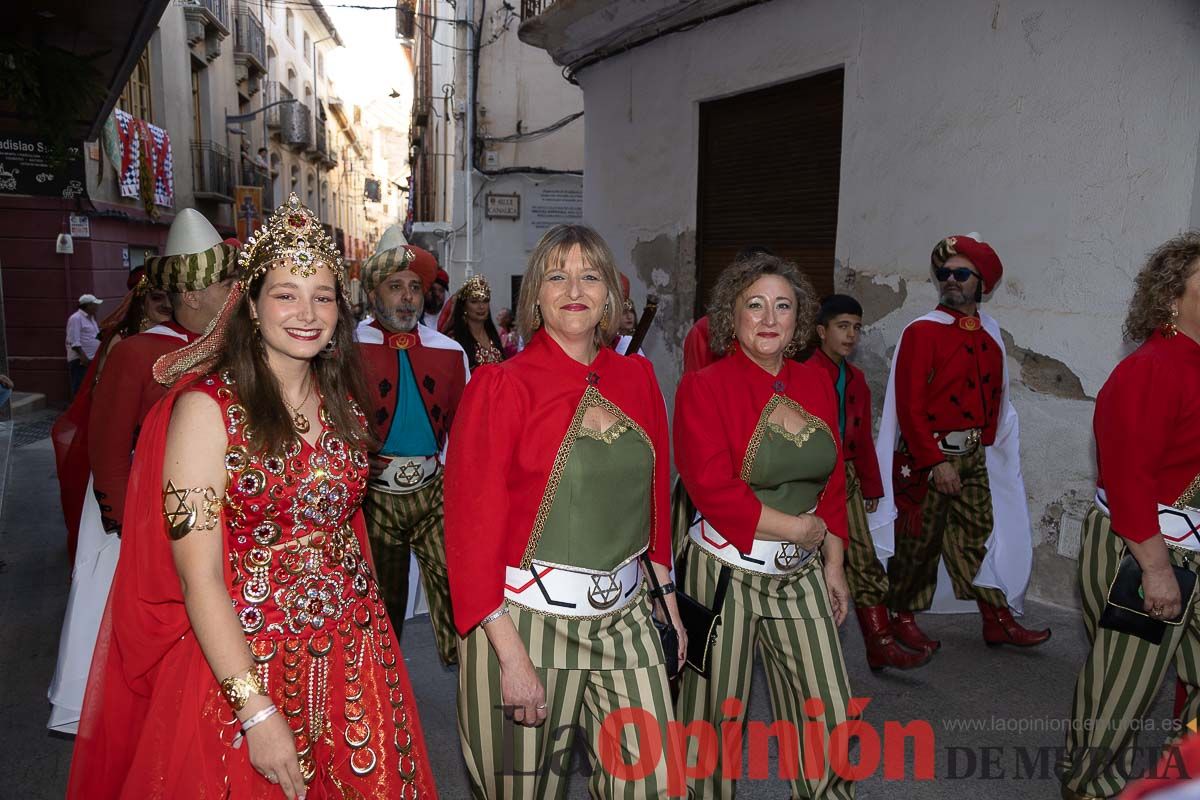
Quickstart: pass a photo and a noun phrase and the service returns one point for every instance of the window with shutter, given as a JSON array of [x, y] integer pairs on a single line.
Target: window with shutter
[[770, 165]]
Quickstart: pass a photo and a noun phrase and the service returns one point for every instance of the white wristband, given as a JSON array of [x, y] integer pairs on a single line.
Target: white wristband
[[266, 713]]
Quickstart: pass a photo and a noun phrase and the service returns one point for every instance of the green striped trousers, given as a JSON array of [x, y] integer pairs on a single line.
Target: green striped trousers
[[954, 529], [1122, 673], [590, 669], [398, 524], [868, 582], [789, 621]]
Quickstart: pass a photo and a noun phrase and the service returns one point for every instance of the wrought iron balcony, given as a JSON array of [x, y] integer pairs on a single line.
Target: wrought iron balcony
[[531, 8], [295, 123], [212, 171], [204, 17], [250, 44]]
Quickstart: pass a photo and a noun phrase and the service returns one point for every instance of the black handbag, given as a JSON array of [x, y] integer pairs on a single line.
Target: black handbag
[[666, 631], [1125, 611], [700, 621]]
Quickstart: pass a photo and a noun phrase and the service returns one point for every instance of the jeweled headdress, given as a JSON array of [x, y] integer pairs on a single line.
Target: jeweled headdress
[[476, 288], [293, 233]]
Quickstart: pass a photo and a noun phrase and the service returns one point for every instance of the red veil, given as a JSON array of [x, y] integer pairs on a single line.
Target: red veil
[[70, 437], [146, 727]]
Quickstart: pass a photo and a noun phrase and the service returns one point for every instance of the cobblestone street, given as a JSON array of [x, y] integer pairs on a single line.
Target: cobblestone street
[[975, 697]]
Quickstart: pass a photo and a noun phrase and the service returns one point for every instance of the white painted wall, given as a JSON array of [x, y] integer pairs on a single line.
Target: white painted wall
[[1066, 132]]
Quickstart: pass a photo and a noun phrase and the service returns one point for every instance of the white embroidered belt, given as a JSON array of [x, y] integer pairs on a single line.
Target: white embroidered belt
[[764, 558], [958, 443], [1180, 527], [403, 475], [563, 592]]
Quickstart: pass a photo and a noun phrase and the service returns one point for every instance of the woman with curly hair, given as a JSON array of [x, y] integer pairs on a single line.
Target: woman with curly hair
[[470, 323], [757, 449], [1145, 520]]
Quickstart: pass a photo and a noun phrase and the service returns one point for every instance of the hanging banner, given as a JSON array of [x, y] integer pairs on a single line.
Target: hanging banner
[[248, 208]]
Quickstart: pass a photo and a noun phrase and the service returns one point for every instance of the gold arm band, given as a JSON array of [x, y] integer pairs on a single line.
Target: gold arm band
[[182, 518], [239, 688]]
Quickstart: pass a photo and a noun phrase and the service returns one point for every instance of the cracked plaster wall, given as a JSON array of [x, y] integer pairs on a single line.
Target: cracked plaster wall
[[1065, 132]]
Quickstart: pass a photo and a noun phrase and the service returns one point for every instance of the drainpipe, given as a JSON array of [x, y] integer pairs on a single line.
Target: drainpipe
[[469, 156]]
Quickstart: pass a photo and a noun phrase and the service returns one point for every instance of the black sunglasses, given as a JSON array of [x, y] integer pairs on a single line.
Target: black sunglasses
[[960, 274]]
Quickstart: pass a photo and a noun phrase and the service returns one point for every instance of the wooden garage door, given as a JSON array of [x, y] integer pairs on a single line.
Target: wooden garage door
[[769, 167]]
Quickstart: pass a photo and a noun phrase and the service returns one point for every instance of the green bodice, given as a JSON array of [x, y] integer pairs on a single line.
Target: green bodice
[[790, 470], [600, 515]]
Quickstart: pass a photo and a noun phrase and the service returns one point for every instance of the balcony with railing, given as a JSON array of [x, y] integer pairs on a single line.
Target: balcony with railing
[[249, 42], [254, 175], [212, 171], [295, 124], [206, 19], [531, 8]]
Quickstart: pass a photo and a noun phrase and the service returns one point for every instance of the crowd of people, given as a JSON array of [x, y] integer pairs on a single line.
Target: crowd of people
[[247, 491]]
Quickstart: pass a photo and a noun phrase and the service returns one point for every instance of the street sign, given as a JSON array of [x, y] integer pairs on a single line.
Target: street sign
[[81, 226], [26, 168], [503, 206]]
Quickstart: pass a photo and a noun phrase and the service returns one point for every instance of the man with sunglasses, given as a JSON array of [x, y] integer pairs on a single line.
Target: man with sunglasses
[[954, 517]]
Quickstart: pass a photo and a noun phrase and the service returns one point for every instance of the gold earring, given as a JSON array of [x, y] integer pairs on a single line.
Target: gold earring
[[605, 320], [537, 317], [257, 326], [791, 349], [1169, 328]]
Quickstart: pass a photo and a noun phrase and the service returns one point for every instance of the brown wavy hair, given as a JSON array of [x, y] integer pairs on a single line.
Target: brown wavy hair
[[737, 278], [340, 379], [551, 253], [1160, 281]]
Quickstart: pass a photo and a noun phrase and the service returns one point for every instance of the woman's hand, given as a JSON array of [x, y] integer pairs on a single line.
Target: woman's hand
[[273, 750], [833, 553], [811, 531], [521, 691], [871, 504], [677, 623], [1161, 592]]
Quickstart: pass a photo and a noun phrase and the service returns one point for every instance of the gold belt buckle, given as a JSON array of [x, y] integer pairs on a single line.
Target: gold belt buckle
[[605, 592], [409, 474]]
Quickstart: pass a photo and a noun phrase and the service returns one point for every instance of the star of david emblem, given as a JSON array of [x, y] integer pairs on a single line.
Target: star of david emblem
[[180, 517], [905, 472], [788, 556], [605, 592]]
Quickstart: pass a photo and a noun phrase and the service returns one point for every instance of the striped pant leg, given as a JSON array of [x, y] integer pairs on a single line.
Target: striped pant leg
[[803, 662], [388, 521], [968, 524], [730, 671], [429, 545], [868, 582], [506, 761], [626, 714], [912, 571], [1118, 681]]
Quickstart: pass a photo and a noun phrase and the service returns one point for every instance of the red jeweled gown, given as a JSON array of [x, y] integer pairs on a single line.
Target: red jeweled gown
[[302, 585]]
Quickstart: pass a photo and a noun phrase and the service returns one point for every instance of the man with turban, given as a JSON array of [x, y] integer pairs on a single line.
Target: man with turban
[[953, 518], [197, 270], [416, 377]]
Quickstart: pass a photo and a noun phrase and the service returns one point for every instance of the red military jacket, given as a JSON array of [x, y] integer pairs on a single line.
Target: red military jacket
[[120, 401], [439, 366], [512, 422], [696, 351], [717, 415], [1147, 427], [948, 378], [858, 447]]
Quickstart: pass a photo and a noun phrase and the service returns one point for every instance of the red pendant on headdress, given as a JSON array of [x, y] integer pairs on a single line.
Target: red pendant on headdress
[[402, 341]]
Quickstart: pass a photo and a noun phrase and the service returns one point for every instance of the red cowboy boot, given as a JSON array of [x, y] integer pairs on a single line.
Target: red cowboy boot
[[882, 650], [999, 628], [904, 626]]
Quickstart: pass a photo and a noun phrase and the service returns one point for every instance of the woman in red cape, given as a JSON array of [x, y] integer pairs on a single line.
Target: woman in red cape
[[157, 719]]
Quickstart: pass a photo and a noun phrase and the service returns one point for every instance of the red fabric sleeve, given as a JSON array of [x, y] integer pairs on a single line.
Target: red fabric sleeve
[[696, 352], [710, 467], [112, 429], [487, 432], [914, 363], [866, 463], [1132, 430], [831, 507], [660, 520]]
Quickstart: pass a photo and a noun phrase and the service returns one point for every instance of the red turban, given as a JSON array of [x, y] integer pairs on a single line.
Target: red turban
[[980, 254]]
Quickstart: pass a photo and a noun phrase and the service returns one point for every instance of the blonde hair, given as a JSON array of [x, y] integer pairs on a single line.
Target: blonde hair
[[1160, 281], [550, 253]]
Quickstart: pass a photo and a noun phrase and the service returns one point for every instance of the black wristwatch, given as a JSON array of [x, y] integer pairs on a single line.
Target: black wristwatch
[[663, 590]]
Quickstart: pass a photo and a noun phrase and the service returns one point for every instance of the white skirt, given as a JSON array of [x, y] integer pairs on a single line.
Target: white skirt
[[95, 562]]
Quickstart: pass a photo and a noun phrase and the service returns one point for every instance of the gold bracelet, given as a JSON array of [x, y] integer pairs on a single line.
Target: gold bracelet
[[238, 688]]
